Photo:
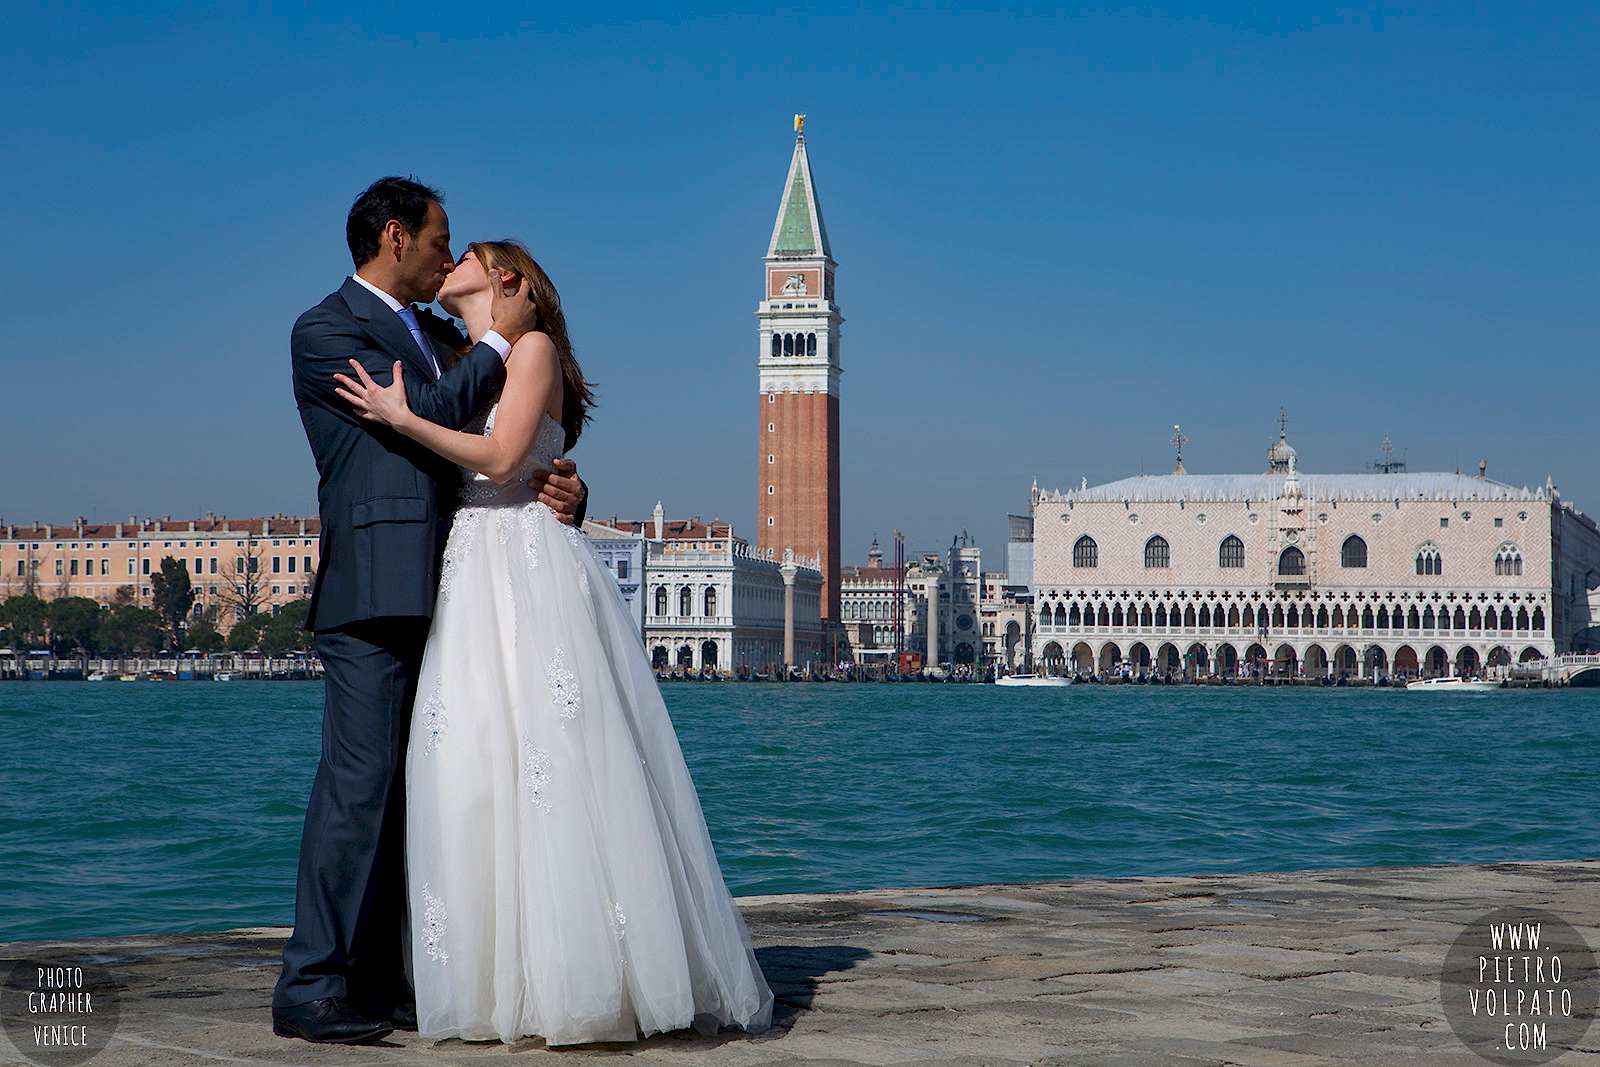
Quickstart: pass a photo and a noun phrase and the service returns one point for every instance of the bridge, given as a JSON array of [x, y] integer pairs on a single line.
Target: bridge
[[1572, 668]]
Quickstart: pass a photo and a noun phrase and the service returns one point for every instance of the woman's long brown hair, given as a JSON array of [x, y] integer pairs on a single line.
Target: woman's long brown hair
[[577, 395]]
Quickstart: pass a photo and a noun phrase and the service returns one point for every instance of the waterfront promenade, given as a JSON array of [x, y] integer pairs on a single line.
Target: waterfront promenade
[[1266, 970]]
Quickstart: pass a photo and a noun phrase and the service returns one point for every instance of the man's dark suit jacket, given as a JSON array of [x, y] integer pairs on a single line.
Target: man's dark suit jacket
[[385, 501]]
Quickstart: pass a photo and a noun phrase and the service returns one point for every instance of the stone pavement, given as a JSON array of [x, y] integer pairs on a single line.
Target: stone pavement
[[1299, 968]]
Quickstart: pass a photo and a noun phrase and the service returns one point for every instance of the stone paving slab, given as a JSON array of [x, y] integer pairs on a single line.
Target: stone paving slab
[[1264, 970]]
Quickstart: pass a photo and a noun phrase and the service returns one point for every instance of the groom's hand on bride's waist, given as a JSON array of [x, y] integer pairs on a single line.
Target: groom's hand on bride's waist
[[560, 489]]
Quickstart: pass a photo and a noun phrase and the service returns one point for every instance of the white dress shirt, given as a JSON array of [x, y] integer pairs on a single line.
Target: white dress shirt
[[492, 338]]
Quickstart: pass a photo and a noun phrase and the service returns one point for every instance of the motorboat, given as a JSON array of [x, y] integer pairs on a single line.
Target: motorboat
[[1453, 685], [222, 676], [1033, 679]]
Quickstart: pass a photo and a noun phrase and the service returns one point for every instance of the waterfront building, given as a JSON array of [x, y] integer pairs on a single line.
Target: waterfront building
[[866, 608], [798, 320], [1003, 619], [946, 589], [235, 565], [941, 595], [623, 552], [1019, 549], [1379, 573], [710, 600]]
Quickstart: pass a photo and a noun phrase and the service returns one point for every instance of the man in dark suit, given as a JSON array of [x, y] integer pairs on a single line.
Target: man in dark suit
[[386, 504]]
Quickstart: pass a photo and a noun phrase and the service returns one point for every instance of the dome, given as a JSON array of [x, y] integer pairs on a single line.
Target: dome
[[1280, 456]]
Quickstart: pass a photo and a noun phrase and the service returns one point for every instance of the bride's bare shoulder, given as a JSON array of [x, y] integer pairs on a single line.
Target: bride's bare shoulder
[[535, 348], [534, 358]]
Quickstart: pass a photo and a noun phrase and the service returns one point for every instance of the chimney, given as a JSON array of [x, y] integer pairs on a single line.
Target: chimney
[[1483, 469], [264, 527], [49, 530], [191, 526], [302, 526], [132, 519], [119, 529]]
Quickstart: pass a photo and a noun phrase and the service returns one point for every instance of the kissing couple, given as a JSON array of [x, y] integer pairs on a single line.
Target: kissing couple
[[502, 838]]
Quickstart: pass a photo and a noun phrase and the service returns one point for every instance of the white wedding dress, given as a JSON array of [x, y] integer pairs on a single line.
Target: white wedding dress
[[562, 881]]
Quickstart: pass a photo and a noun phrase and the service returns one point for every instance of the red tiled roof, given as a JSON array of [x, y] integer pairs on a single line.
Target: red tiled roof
[[694, 528], [207, 525]]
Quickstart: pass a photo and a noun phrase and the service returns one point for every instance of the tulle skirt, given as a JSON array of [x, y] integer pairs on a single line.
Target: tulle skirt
[[562, 881]]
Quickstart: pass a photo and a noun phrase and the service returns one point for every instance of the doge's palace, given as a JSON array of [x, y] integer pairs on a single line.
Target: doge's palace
[[1318, 575]]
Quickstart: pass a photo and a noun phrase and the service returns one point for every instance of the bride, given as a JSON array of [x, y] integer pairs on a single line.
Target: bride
[[561, 878]]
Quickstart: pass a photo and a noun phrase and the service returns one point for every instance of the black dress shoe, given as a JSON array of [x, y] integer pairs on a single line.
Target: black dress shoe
[[330, 1020]]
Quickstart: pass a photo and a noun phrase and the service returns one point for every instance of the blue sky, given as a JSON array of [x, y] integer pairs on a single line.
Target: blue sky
[[1059, 233]]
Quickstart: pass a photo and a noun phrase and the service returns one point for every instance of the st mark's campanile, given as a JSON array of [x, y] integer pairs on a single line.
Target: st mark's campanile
[[798, 504]]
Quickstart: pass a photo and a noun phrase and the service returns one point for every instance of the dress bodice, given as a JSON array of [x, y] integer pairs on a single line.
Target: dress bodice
[[480, 491]]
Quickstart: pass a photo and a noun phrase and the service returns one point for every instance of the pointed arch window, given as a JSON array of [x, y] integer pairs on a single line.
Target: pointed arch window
[[1085, 553], [1353, 553], [1157, 553], [1429, 561], [1230, 553], [1508, 559], [1291, 561]]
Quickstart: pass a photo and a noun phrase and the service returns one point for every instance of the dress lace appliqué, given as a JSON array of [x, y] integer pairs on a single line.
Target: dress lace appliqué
[[536, 775], [463, 532], [434, 722], [563, 686], [433, 920]]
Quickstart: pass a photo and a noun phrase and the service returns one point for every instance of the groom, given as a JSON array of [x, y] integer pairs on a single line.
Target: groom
[[385, 504]]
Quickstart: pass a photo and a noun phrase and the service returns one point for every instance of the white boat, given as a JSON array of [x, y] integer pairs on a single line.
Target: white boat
[[1453, 685], [97, 676], [1032, 679], [222, 676]]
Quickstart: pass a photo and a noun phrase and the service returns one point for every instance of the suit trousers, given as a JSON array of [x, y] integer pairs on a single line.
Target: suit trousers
[[351, 937]]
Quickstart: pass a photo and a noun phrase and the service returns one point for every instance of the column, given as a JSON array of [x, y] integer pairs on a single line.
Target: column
[[788, 570], [933, 622]]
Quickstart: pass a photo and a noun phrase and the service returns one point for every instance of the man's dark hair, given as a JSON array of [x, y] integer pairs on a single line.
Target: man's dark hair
[[403, 199]]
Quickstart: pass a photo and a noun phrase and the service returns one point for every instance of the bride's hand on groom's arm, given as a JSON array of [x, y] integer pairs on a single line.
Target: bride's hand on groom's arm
[[377, 403], [561, 490]]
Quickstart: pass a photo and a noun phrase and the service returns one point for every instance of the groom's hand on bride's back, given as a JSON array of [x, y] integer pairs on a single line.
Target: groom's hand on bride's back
[[561, 490]]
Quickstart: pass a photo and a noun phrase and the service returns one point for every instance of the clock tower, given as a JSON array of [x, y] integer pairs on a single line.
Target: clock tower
[[798, 321]]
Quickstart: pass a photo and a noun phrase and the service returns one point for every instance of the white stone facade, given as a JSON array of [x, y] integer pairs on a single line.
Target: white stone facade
[[710, 601], [1359, 574], [624, 556]]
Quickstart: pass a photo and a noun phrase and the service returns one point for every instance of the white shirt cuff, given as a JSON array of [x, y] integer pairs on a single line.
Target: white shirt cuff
[[496, 342]]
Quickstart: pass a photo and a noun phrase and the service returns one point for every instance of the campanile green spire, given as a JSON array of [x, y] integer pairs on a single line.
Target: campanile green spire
[[799, 230]]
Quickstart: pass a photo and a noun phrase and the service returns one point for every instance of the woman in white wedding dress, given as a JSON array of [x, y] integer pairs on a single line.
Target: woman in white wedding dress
[[561, 878]]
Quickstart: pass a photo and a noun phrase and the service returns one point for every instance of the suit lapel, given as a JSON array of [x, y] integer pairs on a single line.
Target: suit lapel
[[385, 326]]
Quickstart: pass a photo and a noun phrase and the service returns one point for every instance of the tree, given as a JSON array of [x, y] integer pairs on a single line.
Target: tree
[[203, 632], [25, 617], [244, 586], [246, 633], [131, 629], [74, 625], [285, 631], [173, 596]]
